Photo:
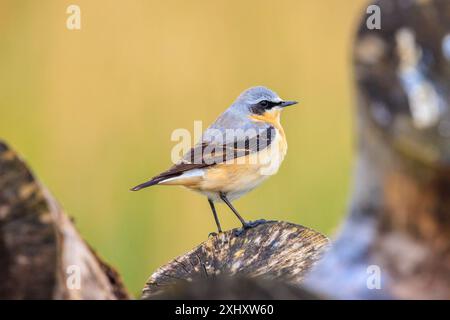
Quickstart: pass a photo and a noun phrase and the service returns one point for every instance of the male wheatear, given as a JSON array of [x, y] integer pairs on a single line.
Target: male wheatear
[[241, 149]]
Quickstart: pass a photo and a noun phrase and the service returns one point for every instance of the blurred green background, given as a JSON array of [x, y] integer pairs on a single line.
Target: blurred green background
[[92, 111]]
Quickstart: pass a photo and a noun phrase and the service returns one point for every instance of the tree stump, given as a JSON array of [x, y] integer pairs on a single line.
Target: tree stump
[[40, 250], [279, 251]]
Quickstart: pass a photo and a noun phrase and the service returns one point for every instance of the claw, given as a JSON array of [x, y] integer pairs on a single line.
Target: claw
[[252, 224], [249, 225]]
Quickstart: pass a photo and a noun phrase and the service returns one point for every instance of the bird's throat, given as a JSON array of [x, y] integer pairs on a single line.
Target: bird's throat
[[272, 118]]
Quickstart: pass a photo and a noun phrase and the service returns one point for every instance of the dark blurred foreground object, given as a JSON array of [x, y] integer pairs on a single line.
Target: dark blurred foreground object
[[273, 254], [233, 288], [42, 255], [399, 223]]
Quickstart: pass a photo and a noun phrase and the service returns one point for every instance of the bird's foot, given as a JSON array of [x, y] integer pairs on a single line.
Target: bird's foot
[[252, 224], [249, 225], [214, 234]]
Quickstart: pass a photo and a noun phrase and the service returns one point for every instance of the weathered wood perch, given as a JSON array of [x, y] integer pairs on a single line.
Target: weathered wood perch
[[278, 251], [39, 246]]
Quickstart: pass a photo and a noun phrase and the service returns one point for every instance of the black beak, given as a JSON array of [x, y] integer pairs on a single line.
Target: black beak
[[287, 103]]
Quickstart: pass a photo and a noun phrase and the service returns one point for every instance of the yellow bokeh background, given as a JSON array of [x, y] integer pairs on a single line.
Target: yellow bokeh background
[[92, 111]]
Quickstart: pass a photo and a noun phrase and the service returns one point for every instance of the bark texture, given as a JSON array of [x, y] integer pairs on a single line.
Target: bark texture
[[42, 256], [278, 252]]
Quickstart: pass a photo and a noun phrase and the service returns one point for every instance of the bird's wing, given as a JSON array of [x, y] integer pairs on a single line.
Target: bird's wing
[[218, 149], [214, 151]]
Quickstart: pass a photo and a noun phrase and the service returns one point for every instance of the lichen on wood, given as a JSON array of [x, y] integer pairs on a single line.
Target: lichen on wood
[[279, 251]]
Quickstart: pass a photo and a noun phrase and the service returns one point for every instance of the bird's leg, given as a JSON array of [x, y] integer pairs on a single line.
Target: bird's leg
[[224, 199], [213, 209], [245, 224]]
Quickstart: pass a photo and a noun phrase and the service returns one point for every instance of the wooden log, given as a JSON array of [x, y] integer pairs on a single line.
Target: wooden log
[[42, 256], [273, 252], [395, 242]]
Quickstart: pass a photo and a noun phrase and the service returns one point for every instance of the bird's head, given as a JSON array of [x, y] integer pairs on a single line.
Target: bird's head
[[260, 101]]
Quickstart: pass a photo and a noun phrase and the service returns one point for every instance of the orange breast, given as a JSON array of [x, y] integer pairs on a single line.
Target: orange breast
[[273, 118]]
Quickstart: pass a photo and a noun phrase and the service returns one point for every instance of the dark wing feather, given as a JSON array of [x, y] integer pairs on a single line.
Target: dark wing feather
[[208, 154]]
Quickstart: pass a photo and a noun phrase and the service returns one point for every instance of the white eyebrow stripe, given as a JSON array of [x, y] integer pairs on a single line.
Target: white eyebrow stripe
[[277, 99]]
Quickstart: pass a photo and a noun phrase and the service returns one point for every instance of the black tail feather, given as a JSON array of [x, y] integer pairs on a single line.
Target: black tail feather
[[149, 183]]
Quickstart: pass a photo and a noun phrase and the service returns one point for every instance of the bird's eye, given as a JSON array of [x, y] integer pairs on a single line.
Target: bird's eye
[[264, 103]]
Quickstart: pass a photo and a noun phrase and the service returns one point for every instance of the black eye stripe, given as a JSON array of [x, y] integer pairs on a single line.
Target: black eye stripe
[[263, 105], [268, 104], [276, 103]]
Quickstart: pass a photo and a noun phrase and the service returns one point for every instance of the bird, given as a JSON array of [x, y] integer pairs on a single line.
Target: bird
[[242, 148]]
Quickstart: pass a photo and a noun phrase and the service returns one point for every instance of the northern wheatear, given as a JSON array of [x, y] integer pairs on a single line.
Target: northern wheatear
[[241, 149]]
